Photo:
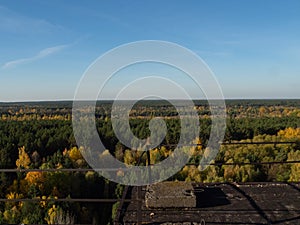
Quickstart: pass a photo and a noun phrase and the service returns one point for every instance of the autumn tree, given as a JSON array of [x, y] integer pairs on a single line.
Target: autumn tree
[[295, 168], [23, 161]]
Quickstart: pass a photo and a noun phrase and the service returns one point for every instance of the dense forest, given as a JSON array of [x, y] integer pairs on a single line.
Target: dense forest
[[38, 135]]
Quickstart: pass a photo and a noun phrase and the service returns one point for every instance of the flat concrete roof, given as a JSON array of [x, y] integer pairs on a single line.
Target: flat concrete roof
[[226, 203]]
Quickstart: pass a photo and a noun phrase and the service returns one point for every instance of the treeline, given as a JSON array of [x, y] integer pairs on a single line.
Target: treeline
[[145, 109]]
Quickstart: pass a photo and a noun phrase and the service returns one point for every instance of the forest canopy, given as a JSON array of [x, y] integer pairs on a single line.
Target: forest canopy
[[39, 135]]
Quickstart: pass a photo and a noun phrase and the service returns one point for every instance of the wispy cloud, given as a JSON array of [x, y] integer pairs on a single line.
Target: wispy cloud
[[42, 54], [14, 22]]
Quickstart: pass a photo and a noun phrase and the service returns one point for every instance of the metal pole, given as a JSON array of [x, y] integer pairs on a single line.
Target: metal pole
[[149, 165]]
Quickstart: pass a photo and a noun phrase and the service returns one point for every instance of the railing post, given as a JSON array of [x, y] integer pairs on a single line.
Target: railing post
[[149, 164], [139, 202]]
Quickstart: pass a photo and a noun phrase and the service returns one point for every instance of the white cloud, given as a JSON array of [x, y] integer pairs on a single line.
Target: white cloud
[[42, 54]]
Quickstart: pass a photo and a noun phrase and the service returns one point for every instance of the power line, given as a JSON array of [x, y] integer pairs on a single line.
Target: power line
[[102, 200], [236, 143], [260, 143], [246, 163], [130, 168]]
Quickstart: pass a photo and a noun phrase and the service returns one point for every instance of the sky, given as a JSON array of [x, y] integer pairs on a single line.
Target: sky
[[252, 46]]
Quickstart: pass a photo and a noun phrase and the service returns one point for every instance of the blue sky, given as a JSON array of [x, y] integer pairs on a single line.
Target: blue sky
[[253, 46]]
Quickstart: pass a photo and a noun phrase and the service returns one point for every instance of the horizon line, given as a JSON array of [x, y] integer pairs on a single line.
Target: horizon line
[[99, 100]]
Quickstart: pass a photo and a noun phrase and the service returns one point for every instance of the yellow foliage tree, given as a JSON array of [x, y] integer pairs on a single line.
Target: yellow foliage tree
[[12, 215], [198, 149], [35, 178], [76, 157], [290, 133], [155, 156], [198, 142], [56, 215], [194, 174], [165, 152], [11, 196], [75, 154], [295, 168], [230, 171], [129, 159], [23, 161]]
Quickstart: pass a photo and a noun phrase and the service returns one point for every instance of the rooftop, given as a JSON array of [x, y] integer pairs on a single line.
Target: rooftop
[[225, 203]]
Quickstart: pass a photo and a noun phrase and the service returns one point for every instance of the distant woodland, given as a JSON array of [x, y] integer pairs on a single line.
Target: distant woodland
[[38, 135]]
